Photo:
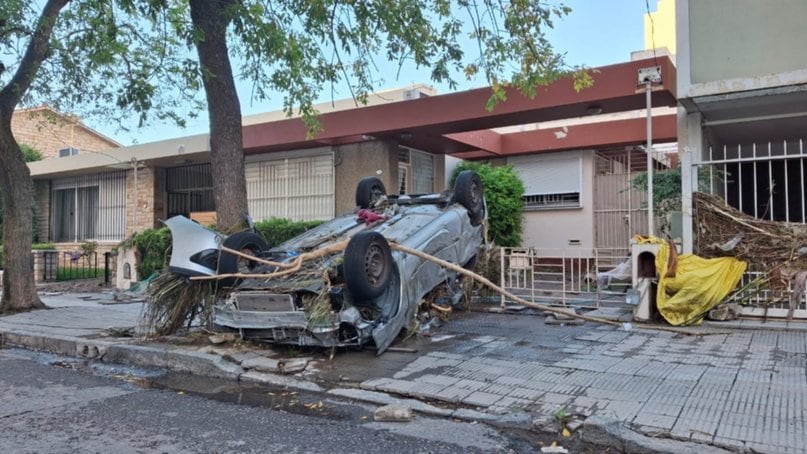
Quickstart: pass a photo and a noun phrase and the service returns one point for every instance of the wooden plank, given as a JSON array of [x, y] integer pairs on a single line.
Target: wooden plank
[[205, 218]]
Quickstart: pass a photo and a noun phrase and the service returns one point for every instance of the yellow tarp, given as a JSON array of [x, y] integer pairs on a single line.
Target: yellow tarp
[[689, 286]]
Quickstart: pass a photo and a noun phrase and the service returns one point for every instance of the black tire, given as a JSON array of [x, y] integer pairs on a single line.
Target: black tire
[[367, 266], [470, 265], [368, 191], [468, 192], [245, 241]]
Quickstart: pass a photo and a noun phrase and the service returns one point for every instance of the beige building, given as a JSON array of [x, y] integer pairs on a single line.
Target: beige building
[[107, 196], [55, 134]]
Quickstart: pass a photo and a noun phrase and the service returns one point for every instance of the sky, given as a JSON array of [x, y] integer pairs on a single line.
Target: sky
[[595, 33]]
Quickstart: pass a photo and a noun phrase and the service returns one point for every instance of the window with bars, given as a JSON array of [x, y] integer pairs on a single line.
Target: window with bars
[[88, 208], [189, 189], [551, 201], [415, 172]]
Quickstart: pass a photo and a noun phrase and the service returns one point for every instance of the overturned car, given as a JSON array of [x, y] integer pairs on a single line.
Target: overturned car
[[367, 293]]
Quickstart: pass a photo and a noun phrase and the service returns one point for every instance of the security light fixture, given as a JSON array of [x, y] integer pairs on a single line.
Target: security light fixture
[[651, 74]]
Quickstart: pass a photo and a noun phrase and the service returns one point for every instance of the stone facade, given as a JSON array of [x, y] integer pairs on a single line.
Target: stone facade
[[48, 132], [355, 161], [145, 199]]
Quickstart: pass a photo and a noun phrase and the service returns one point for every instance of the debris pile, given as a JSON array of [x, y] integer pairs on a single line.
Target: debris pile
[[777, 249]]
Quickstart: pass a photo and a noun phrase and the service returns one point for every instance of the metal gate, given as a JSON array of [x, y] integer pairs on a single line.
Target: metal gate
[[619, 210], [561, 277]]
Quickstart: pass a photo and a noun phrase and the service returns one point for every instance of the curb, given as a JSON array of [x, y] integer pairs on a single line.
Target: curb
[[181, 360], [615, 434]]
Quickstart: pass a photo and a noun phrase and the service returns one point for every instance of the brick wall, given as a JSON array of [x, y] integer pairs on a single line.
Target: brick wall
[[48, 132], [145, 202]]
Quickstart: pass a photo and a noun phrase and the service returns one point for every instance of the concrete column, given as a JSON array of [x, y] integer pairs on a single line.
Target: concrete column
[[690, 136], [39, 265]]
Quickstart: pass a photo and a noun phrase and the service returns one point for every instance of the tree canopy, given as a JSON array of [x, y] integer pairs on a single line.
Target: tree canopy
[[134, 58], [299, 48], [114, 58]]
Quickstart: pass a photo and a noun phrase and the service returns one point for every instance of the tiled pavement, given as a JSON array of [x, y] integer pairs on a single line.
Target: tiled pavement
[[745, 389]]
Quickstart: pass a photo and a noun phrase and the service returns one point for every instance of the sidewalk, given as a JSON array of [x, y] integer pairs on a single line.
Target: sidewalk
[[642, 390]]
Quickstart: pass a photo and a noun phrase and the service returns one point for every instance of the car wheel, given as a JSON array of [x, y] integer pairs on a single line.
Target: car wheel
[[246, 242], [468, 193], [367, 265], [369, 190]]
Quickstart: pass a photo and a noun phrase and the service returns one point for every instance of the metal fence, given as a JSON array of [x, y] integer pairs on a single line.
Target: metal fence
[[562, 277], [71, 265], [761, 299], [764, 180]]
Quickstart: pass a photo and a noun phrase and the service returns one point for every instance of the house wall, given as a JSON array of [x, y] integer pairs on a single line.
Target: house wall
[[738, 40], [554, 229], [356, 161], [48, 133], [145, 201]]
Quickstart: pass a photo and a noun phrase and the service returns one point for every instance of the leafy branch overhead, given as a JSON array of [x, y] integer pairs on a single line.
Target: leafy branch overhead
[[299, 48], [115, 60]]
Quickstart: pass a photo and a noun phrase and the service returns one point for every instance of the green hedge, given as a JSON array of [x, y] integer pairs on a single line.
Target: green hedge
[[504, 194], [278, 230], [154, 245]]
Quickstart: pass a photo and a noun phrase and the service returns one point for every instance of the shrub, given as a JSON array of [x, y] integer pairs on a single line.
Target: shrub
[[278, 230], [154, 246], [504, 193]]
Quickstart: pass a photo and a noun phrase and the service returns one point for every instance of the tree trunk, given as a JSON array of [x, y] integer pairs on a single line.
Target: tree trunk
[[19, 288], [211, 18]]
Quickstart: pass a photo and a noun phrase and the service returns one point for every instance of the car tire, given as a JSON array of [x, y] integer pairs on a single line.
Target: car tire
[[368, 191], [230, 263], [367, 266], [468, 192], [470, 265]]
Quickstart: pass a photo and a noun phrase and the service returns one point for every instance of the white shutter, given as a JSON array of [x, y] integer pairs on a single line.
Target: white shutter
[[549, 174], [294, 188]]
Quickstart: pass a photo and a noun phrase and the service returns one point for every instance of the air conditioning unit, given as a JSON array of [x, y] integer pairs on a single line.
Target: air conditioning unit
[[69, 151]]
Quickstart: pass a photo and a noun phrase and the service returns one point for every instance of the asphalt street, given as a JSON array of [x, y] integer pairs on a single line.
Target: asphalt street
[[55, 404]]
